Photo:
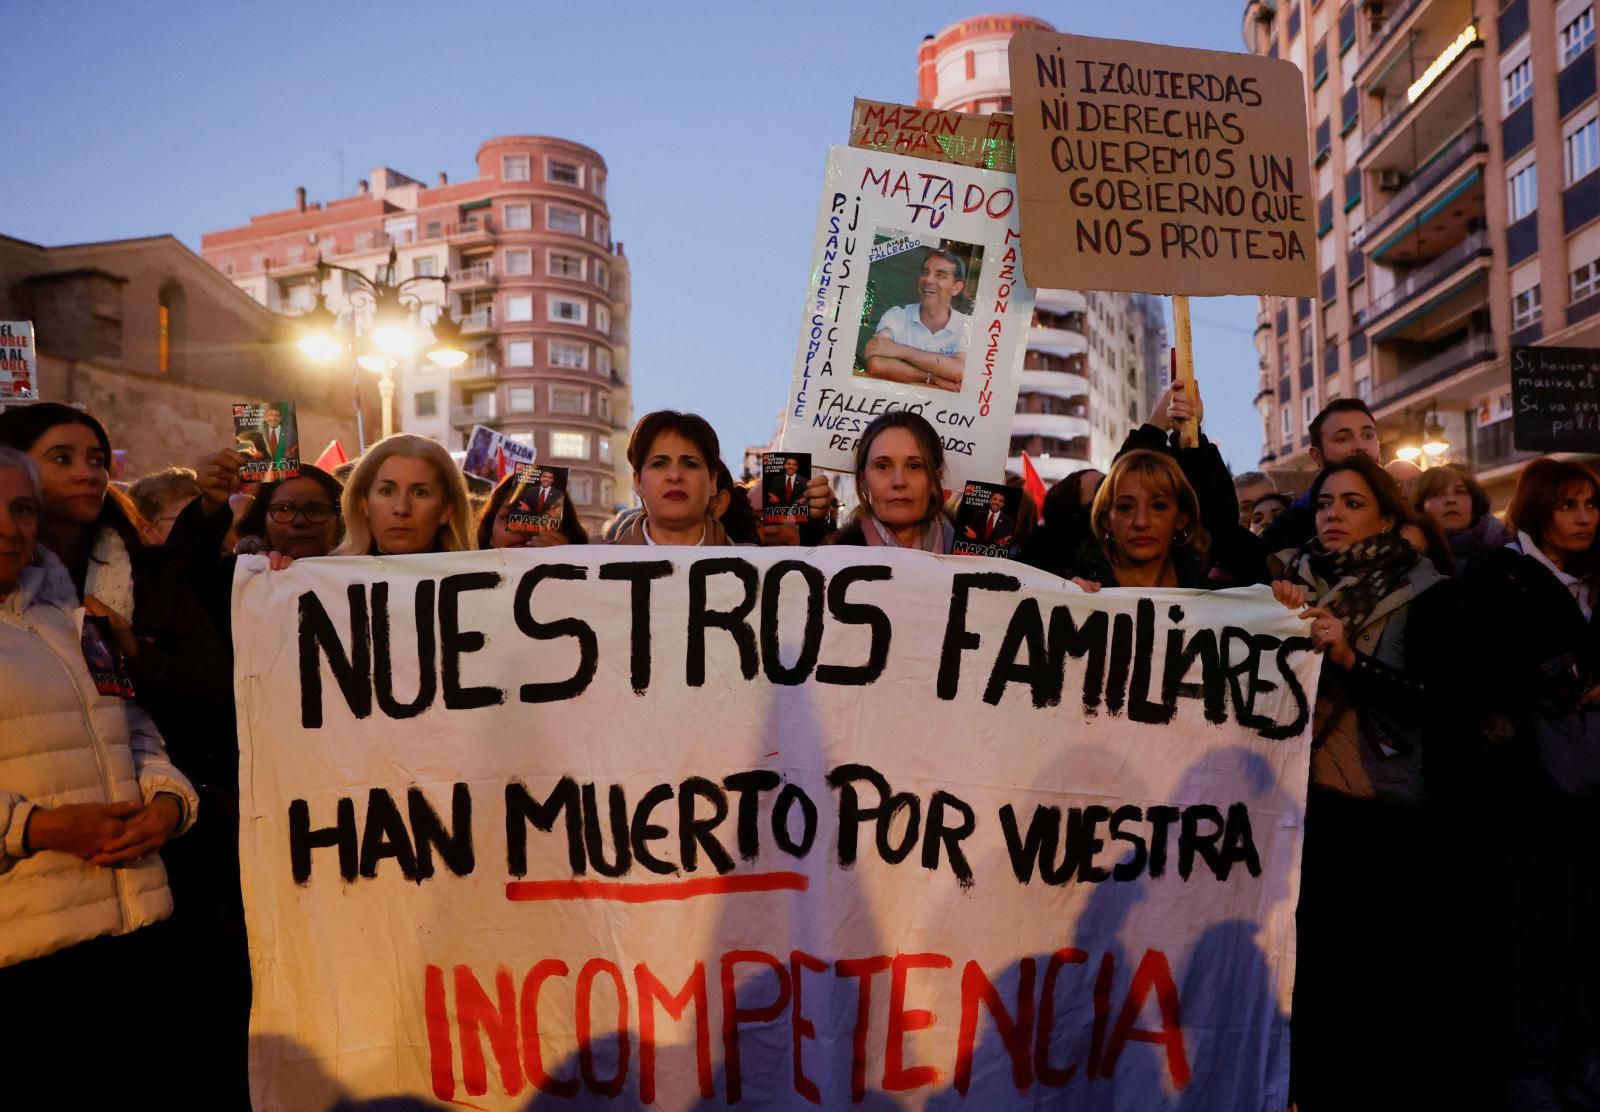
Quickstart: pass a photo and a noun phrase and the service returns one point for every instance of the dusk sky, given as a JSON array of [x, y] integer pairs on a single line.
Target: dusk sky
[[132, 119]]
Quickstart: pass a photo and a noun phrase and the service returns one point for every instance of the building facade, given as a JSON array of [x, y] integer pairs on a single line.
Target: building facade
[[539, 286], [159, 346], [1454, 145], [1084, 381]]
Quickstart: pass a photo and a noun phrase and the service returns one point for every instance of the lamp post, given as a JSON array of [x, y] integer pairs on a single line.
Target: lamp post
[[1433, 445], [391, 336]]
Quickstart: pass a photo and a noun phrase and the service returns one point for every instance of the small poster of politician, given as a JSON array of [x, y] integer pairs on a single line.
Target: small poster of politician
[[19, 364], [916, 302], [539, 499], [986, 520], [784, 476], [269, 440]]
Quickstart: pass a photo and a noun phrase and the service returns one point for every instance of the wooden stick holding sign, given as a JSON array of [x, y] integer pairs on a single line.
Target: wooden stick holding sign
[[1183, 368]]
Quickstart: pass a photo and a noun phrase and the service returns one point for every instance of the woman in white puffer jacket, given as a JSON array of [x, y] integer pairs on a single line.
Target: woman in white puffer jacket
[[87, 796]]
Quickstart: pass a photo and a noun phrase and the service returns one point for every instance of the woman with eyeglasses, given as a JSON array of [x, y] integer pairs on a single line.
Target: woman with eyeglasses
[[298, 517]]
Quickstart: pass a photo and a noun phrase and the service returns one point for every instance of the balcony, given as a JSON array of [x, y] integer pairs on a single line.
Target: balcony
[[1383, 32], [479, 320], [1061, 426], [1426, 277], [1061, 384], [465, 416], [479, 227], [476, 274], [1437, 105], [1060, 301], [1476, 349], [479, 368], [1434, 171], [1492, 448]]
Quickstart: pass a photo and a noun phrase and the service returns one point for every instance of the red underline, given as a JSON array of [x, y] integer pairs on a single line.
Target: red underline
[[625, 891]]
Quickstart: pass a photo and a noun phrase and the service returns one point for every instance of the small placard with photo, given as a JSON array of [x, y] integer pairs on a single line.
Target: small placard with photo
[[537, 499], [986, 520], [784, 476], [268, 437], [108, 667]]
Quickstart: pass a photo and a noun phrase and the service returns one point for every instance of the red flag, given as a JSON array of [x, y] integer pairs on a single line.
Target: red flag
[[1033, 484], [502, 466], [332, 456]]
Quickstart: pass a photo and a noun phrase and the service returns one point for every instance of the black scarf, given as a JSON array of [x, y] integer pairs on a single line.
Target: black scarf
[[1352, 581]]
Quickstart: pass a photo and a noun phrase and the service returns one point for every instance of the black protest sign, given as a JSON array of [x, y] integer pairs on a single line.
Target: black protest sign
[[1555, 399]]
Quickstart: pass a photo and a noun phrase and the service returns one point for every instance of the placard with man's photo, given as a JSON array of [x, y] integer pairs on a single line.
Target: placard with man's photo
[[268, 437], [916, 320], [986, 519], [784, 476], [537, 499]]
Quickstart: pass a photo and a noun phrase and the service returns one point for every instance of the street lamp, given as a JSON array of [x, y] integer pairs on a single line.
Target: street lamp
[[392, 335]]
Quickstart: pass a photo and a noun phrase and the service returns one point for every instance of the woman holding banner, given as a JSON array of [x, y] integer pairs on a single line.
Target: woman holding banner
[[1145, 528], [406, 496], [1362, 896], [87, 797], [900, 480], [674, 457]]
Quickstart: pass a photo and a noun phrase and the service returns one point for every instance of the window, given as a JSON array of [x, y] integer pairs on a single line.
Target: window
[[569, 445], [564, 220], [1577, 36], [426, 403], [1286, 421], [519, 307], [600, 232], [1518, 84], [602, 319], [607, 495], [1525, 308], [605, 449], [1283, 355], [434, 230], [599, 180], [568, 310], [520, 399], [570, 401], [1364, 388], [1305, 343], [514, 167], [565, 266], [563, 173], [603, 411], [519, 353], [581, 488], [163, 337], [1585, 280], [1308, 408], [602, 361], [1582, 150], [480, 404], [518, 217], [1523, 192], [568, 355], [425, 266], [519, 261], [602, 276]]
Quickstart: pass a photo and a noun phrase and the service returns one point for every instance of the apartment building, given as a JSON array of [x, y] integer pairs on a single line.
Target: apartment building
[[540, 288], [1454, 147], [1085, 377]]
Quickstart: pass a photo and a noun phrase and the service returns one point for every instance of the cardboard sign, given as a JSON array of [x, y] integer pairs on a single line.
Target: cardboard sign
[[986, 520], [1556, 399], [19, 362], [1159, 169], [537, 503], [492, 455], [684, 828], [268, 437], [916, 302], [784, 476], [962, 138]]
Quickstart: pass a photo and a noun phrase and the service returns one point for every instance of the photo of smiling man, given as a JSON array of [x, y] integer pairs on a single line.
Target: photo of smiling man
[[923, 342]]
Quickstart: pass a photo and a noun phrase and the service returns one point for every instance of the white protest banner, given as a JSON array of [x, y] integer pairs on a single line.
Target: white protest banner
[[916, 302], [1161, 169], [19, 362], [786, 827]]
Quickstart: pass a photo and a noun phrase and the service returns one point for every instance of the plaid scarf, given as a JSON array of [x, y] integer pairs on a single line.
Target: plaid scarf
[[1352, 581]]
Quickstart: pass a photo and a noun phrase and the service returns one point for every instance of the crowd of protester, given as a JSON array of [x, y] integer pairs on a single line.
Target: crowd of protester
[[1449, 908]]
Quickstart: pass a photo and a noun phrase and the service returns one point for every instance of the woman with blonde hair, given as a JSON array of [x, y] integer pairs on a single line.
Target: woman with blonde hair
[[900, 480], [405, 496], [1145, 528]]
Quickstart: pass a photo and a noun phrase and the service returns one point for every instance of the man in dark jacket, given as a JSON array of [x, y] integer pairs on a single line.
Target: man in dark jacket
[[1344, 428]]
